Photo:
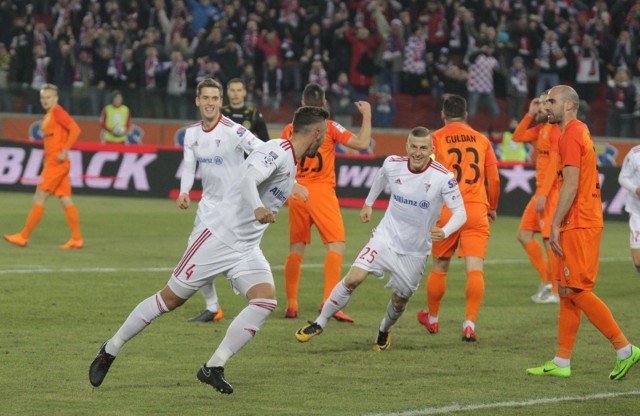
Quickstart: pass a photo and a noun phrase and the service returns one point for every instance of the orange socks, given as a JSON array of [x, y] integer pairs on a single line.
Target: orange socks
[[73, 219], [536, 256], [474, 293], [601, 317], [568, 325], [332, 272], [34, 217], [436, 286], [292, 269]]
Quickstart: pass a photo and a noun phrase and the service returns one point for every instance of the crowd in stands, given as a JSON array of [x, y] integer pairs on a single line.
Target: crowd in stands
[[156, 51]]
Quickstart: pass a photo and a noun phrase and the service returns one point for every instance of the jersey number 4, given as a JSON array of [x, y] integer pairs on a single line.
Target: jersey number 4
[[473, 166]]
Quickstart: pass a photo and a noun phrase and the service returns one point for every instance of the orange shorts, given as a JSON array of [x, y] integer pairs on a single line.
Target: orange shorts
[[321, 209], [54, 178], [473, 236], [579, 266], [539, 223]]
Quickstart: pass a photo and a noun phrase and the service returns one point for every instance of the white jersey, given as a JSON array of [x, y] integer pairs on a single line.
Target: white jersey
[[220, 152], [234, 221], [630, 176], [416, 200]]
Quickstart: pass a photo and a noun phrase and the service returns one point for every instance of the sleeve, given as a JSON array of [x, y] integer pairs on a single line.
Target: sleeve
[[453, 201], [64, 119], [286, 133], [188, 167], [248, 142], [249, 187], [493, 186], [490, 155], [626, 174], [523, 134], [378, 185], [266, 160], [339, 133]]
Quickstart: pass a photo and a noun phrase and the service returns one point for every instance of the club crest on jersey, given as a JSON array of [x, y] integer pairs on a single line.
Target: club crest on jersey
[[452, 183], [398, 181], [241, 131], [427, 185], [218, 142]]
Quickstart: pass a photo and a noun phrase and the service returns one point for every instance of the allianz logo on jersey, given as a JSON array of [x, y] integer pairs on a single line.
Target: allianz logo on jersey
[[402, 200], [214, 160], [278, 193]]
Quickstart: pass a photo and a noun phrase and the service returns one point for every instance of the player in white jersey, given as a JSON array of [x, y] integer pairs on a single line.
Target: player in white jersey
[[401, 242], [226, 241], [629, 179], [219, 146]]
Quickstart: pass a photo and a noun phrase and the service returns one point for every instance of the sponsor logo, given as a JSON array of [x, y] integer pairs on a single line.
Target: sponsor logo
[[406, 201], [273, 155], [278, 194], [452, 183], [241, 131]]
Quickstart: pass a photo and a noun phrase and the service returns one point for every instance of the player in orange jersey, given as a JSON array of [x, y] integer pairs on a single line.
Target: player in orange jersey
[[469, 155], [60, 133], [576, 229], [317, 174], [536, 217]]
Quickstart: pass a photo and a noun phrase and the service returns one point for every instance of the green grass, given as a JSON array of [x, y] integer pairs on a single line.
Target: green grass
[[57, 307]]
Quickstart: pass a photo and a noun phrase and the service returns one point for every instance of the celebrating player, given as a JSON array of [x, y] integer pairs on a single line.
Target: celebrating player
[[401, 243]]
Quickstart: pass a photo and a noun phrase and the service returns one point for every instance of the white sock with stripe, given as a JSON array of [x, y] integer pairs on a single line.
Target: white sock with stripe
[[141, 316], [391, 317], [242, 330], [338, 299]]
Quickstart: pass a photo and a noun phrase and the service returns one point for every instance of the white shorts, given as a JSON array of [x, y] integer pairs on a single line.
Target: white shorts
[[207, 256], [405, 272], [634, 227]]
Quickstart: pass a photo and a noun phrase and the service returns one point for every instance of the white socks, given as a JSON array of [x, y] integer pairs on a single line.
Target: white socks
[[337, 300], [391, 317], [242, 330], [210, 297], [141, 316]]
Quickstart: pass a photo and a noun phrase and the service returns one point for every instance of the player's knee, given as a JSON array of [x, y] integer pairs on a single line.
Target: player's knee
[[399, 303]]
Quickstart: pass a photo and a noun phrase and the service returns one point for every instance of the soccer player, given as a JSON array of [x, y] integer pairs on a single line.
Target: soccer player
[[401, 243], [537, 215], [469, 155], [246, 115], [629, 179], [233, 141], [576, 229], [318, 175], [227, 240], [60, 132]]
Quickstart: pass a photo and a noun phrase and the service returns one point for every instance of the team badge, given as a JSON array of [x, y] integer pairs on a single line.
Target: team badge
[[398, 181], [566, 271], [427, 185]]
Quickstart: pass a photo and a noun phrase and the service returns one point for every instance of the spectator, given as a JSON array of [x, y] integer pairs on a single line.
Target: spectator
[[517, 89], [551, 59], [176, 102], [39, 77], [415, 66], [588, 69], [362, 68], [384, 108], [341, 100], [115, 121], [480, 83], [318, 75], [621, 97], [272, 82], [392, 53], [6, 104]]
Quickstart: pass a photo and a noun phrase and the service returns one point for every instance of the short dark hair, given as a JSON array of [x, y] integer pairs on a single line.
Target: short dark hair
[[420, 132], [307, 116], [454, 106], [209, 83], [313, 95], [235, 81]]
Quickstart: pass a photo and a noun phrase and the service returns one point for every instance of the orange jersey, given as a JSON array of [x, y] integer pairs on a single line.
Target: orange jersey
[[466, 153], [321, 168], [576, 149], [546, 138], [59, 131]]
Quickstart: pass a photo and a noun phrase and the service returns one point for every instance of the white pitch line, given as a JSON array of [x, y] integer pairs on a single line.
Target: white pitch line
[[27, 268], [532, 402]]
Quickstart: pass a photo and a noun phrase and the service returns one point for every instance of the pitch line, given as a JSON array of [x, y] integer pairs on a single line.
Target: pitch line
[[532, 402], [33, 269]]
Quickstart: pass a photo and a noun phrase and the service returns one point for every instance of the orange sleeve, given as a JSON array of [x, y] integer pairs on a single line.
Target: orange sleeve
[[523, 134], [493, 186], [550, 176], [339, 134], [490, 156], [286, 133], [64, 119]]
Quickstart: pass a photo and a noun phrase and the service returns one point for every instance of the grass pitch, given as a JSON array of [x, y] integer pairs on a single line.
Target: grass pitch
[[56, 308]]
